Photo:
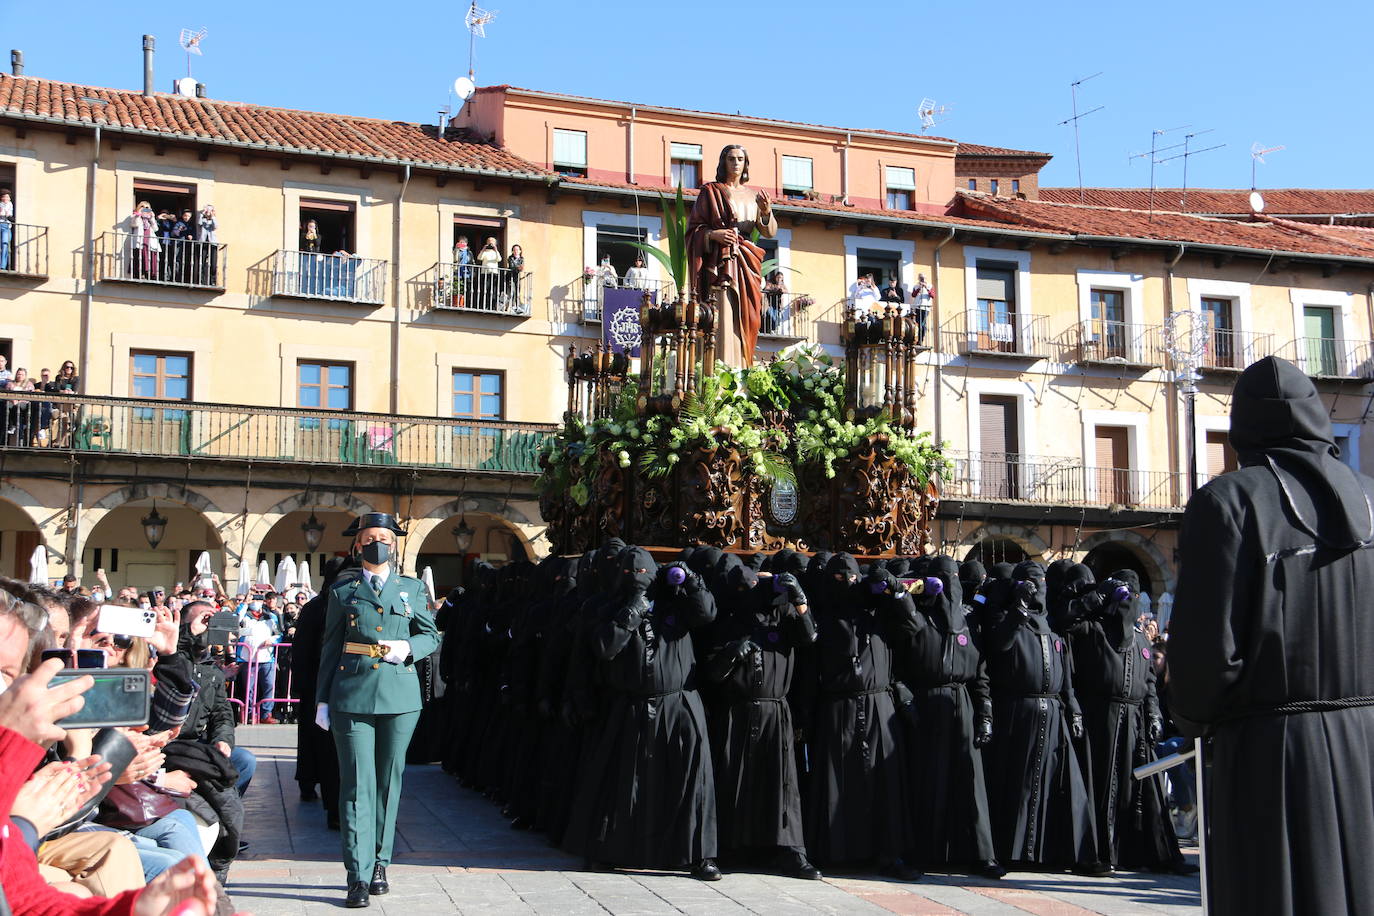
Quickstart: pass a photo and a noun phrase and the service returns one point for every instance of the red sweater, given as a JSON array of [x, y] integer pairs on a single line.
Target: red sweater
[[27, 892]]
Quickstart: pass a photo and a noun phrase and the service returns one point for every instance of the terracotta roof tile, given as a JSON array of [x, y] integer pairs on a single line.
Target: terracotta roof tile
[[242, 124], [979, 150], [1284, 201]]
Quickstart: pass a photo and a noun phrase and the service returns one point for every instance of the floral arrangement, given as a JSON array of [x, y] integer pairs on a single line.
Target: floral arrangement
[[587, 274], [779, 417], [802, 302]]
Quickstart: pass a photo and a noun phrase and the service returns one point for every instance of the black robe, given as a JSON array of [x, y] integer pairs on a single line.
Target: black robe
[[1114, 682], [758, 798], [855, 807], [317, 760], [1041, 811], [646, 794], [940, 663], [1270, 644]]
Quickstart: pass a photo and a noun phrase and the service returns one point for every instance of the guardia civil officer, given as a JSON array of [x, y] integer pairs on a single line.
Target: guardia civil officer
[[376, 625]]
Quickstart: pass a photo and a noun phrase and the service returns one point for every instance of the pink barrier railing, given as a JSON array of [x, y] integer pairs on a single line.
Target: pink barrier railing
[[250, 704]]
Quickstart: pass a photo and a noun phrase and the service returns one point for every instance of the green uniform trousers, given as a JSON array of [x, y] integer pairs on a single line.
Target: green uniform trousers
[[372, 759]]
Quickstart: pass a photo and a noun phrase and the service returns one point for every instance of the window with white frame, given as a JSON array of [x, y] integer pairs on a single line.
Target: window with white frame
[[685, 165], [570, 152], [901, 187], [796, 176]]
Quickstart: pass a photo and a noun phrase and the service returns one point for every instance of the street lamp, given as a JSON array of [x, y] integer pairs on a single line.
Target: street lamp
[[313, 529], [462, 535], [1186, 334], [154, 527]]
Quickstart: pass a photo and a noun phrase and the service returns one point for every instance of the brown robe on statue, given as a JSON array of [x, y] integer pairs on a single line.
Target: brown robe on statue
[[739, 267]]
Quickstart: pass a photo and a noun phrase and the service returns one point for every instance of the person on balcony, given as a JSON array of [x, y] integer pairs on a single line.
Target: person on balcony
[[515, 263], [462, 270], [6, 228], [64, 415], [488, 274], [606, 275], [893, 296], [166, 222], [637, 277], [863, 294], [921, 298], [21, 413], [311, 257], [205, 261], [773, 292], [145, 247], [178, 248]]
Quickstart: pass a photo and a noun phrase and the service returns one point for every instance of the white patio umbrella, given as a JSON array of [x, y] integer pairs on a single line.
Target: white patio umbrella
[[245, 584], [38, 564], [303, 577], [286, 574], [264, 576], [427, 577], [204, 572]]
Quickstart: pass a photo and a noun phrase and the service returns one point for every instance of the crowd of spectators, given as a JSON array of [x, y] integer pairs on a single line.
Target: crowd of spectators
[[484, 280], [36, 422], [172, 247]]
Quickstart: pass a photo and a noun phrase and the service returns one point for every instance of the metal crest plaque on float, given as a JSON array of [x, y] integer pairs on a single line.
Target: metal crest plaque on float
[[782, 503]]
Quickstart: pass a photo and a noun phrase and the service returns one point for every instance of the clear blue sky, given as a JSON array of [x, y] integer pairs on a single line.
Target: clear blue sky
[[1252, 71]]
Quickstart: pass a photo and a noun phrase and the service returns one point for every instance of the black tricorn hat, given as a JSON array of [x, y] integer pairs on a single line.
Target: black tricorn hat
[[374, 520]]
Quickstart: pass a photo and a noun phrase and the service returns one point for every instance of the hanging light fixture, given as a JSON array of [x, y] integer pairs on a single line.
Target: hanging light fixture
[[154, 527], [462, 535], [313, 529]]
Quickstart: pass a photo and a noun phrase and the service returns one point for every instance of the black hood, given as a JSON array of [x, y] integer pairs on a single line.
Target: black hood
[[1278, 420], [947, 608], [839, 591], [1001, 571], [971, 576], [1054, 579], [637, 570], [703, 562], [1031, 571]]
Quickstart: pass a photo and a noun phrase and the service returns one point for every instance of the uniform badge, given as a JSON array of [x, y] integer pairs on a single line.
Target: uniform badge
[[961, 639], [1058, 646], [1144, 653]]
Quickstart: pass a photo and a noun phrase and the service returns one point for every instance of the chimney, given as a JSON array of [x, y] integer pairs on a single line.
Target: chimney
[[149, 43], [200, 90], [17, 62]]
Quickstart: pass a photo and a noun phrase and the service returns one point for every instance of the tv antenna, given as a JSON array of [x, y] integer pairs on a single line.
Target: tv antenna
[[1257, 154], [931, 113], [1154, 151], [1077, 152], [190, 43], [476, 21], [1188, 154]]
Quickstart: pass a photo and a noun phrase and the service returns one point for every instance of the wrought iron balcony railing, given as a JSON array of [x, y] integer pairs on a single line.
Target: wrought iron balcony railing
[[1014, 478], [1228, 350], [788, 316], [469, 288], [191, 430], [340, 277], [1332, 357], [1119, 343], [132, 258], [594, 293], [23, 250], [1016, 335]]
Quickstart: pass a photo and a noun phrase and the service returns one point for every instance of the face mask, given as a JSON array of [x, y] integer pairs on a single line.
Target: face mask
[[377, 553], [97, 596], [144, 605], [255, 606]]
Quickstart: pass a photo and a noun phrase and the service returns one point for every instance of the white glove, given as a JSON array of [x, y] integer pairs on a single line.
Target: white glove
[[322, 715], [397, 651]]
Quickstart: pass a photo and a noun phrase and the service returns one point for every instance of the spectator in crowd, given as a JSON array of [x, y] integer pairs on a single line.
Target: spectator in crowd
[[773, 291], [6, 228], [144, 246], [63, 415], [863, 294], [258, 633], [462, 268], [515, 263], [606, 273], [70, 583], [166, 224], [921, 298], [5, 374], [211, 718], [311, 255], [893, 296], [488, 273], [205, 262], [20, 422], [637, 277], [45, 408], [179, 249]]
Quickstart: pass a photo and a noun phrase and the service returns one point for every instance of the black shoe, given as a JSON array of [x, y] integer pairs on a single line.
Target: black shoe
[[989, 869], [332, 822], [900, 870], [309, 795], [596, 865], [794, 864], [357, 895], [1093, 870], [1179, 867], [706, 870], [378, 887], [243, 844]]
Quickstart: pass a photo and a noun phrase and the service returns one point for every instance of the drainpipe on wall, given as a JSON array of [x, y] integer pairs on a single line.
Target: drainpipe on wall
[[84, 359], [932, 329], [630, 172], [1181, 436], [844, 169], [395, 400]]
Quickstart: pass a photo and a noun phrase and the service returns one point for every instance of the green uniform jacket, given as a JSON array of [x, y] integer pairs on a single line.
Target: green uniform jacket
[[360, 684]]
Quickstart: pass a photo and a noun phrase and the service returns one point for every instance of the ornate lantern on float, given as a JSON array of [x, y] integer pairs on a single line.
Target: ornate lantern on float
[[880, 365], [677, 351], [595, 378]]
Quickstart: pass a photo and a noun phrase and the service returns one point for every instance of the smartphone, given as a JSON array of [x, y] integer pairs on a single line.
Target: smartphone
[[126, 621], [120, 697], [85, 658], [224, 629]]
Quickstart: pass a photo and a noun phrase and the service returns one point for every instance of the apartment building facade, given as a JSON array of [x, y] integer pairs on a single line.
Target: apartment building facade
[[359, 366]]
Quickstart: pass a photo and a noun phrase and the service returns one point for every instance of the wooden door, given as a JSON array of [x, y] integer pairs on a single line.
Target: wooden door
[[1112, 463], [1319, 331], [997, 429]]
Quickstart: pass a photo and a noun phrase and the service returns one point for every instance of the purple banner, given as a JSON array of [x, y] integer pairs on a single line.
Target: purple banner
[[620, 320]]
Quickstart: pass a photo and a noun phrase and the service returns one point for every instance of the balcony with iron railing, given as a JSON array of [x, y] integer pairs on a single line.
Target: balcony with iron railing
[[594, 290], [234, 432], [1010, 335], [1118, 343], [337, 277], [129, 257], [489, 291], [23, 250], [1231, 351], [1040, 480], [788, 316], [1332, 357]]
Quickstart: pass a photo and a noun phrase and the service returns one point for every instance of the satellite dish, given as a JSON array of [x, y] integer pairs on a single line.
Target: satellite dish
[[1256, 202], [187, 86], [464, 88]]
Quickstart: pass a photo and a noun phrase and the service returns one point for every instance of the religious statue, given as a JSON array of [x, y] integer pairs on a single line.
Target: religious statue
[[725, 267]]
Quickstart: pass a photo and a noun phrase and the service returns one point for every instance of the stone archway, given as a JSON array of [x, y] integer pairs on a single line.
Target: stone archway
[[1156, 564], [1027, 538], [20, 534], [112, 537], [526, 529], [260, 525]]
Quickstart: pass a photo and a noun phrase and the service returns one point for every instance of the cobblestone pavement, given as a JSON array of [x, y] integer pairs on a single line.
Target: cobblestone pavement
[[455, 853]]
